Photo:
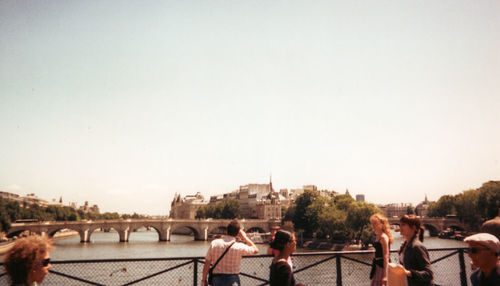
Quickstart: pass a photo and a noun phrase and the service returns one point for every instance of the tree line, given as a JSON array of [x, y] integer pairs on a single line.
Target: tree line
[[339, 218], [472, 206], [11, 210], [225, 209]]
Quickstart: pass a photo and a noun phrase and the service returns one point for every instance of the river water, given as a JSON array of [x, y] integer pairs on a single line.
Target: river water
[[145, 244]]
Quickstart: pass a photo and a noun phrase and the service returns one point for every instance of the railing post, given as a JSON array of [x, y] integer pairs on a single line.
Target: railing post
[[463, 273], [339, 271], [195, 273]]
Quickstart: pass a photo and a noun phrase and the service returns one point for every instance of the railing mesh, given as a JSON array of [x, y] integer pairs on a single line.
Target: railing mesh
[[309, 268]]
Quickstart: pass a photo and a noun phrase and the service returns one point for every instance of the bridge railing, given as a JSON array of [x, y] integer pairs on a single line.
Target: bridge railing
[[349, 268]]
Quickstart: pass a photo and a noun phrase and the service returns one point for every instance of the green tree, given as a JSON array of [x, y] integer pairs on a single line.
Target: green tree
[[444, 206], [467, 208], [289, 214], [332, 223], [4, 216], [488, 202], [302, 216], [358, 217], [230, 209], [368, 236], [342, 202]]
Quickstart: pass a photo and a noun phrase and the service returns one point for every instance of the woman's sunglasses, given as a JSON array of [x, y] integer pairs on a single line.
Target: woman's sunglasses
[[475, 250], [45, 262]]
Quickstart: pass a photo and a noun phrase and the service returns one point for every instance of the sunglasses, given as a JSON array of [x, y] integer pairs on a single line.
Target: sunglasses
[[45, 262], [475, 250]]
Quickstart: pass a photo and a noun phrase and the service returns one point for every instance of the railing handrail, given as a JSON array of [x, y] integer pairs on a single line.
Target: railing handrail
[[336, 256]]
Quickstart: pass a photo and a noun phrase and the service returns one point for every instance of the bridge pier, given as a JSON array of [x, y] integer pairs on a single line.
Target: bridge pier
[[124, 234], [164, 234], [84, 236]]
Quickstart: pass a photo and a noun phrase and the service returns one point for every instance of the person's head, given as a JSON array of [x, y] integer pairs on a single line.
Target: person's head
[[483, 250], [410, 226], [28, 260], [284, 241], [233, 228], [380, 225]]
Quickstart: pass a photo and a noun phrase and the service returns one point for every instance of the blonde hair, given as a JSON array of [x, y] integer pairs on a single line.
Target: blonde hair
[[384, 223]]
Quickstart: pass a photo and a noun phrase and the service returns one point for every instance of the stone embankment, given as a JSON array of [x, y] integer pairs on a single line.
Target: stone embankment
[[5, 246]]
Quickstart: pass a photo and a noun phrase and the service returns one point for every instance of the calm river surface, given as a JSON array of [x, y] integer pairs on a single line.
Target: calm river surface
[[145, 244]]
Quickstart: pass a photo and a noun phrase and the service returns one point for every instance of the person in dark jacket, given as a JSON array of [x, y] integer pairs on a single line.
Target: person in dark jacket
[[413, 255], [483, 251]]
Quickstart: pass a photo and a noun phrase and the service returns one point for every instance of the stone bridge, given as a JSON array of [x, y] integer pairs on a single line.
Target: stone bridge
[[164, 227], [436, 225]]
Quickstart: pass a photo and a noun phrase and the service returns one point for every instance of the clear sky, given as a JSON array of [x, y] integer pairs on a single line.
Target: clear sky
[[124, 103]]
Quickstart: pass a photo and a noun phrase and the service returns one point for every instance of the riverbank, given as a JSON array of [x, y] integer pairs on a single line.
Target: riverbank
[[7, 245]]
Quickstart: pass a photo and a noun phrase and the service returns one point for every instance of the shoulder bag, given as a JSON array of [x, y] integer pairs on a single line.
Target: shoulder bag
[[210, 271]]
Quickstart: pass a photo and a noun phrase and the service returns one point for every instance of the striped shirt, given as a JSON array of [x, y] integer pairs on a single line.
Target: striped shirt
[[230, 263]]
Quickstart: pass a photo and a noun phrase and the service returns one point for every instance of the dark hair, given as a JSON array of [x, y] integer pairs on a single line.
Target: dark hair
[[281, 238], [412, 220], [22, 257], [233, 228]]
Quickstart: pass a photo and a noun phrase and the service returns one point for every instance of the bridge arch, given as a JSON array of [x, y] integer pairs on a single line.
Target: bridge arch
[[145, 225], [218, 230], [195, 231], [16, 233], [433, 230], [255, 229]]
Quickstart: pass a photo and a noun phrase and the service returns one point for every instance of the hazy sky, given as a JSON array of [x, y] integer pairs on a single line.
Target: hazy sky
[[124, 103]]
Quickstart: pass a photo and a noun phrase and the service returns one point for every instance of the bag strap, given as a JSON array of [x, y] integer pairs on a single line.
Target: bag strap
[[220, 257]]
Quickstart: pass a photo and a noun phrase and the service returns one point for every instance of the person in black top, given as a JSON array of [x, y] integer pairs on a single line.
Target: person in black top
[[281, 273], [381, 228]]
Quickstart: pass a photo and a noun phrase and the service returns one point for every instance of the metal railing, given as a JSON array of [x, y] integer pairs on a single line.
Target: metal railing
[[348, 268]]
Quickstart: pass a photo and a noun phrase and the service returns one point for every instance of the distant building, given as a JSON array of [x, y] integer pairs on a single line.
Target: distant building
[[422, 209], [185, 208], [10, 196], [395, 210], [31, 199], [89, 209], [360, 198]]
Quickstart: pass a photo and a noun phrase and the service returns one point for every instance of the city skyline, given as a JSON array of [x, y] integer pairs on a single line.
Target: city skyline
[[123, 104]]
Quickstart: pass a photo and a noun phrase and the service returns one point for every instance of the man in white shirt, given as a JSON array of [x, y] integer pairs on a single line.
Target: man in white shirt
[[226, 271]]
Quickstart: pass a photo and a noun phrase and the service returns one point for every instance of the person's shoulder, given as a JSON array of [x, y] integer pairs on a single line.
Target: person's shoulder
[[418, 244], [217, 242], [474, 277], [281, 265], [384, 237]]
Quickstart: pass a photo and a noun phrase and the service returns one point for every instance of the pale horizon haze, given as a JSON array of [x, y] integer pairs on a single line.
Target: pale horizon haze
[[125, 103]]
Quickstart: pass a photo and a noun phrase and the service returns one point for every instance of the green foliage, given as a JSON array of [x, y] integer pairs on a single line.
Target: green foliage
[[332, 223], [289, 214], [225, 209], [410, 210], [4, 216], [11, 211], [304, 217], [472, 206], [338, 218], [358, 216], [368, 236], [444, 206]]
